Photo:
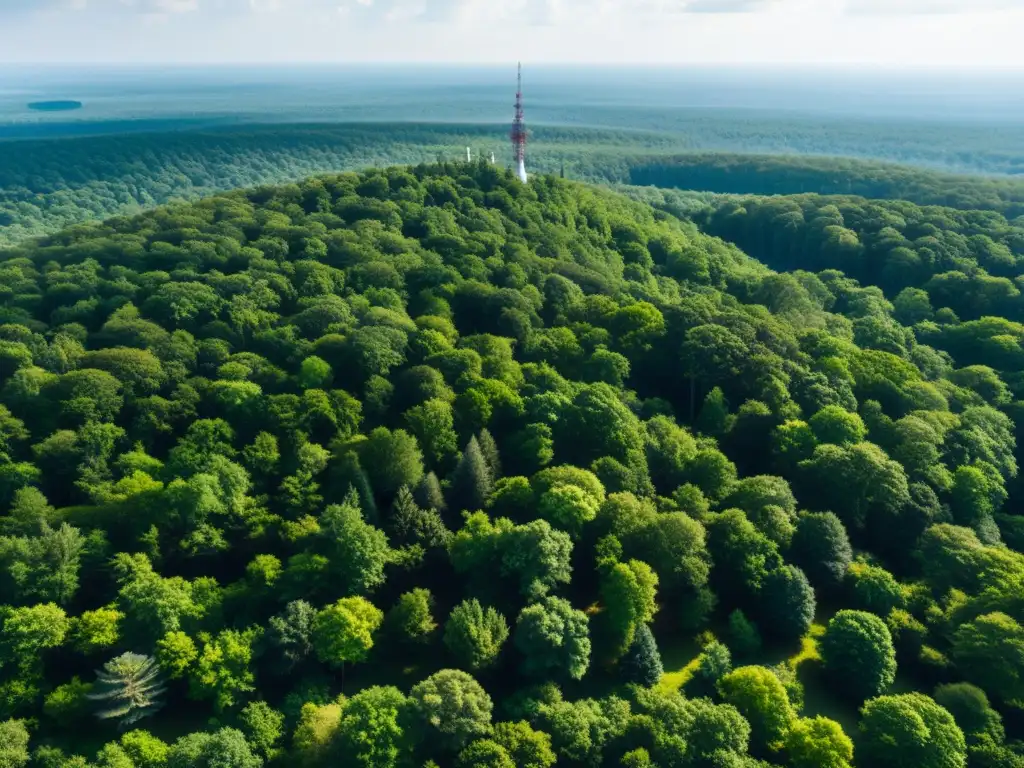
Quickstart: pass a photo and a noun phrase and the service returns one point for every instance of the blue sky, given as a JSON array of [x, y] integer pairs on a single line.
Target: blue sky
[[927, 33]]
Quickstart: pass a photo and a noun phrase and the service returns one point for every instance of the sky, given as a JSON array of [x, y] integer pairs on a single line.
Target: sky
[[939, 34]]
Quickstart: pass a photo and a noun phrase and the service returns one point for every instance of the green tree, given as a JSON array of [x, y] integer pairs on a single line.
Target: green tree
[[744, 635], [451, 707], [838, 426], [553, 638], [713, 419], [910, 729], [213, 750], [743, 556], [873, 588], [263, 727], [537, 555], [318, 725], [674, 545], [485, 753], [344, 631], [292, 632], [855, 480], [14, 740], [96, 630], [581, 730], [489, 448], [857, 652], [670, 449], [357, 551], [475, 634], [761, 698], [128, 689], [155, 605], [642, 662], [222, 671], [412, 617], [314, 373], [568, 507], [28, 632], [391, 460], [433, 424], [411, 525], [429, 495], [821, 548], [527, 748], [982, 725], [629, 592], [46, 567], [817, 742], [176, 652], [472, 482], [144, 749], [714, 663], [990, 652], [787, 602], [68, 704], [371, 732]]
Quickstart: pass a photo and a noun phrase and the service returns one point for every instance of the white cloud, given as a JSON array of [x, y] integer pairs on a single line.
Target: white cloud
[[929, 7], [895, 32], [423, 10]]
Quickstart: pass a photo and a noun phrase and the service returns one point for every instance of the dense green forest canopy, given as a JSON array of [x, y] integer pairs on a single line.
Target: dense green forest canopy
[[46, 185], [426, 467], [791, 175]]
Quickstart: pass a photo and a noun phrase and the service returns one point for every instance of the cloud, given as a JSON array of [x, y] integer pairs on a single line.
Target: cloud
[[728, 6], [927, 7], [531, 11]]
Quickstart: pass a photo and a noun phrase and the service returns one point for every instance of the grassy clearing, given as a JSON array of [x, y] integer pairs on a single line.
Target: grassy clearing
[[680, 660]]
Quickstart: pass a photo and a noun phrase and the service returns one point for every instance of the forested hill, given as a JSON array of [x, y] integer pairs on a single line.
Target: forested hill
[[426, 467], [46, 185], [791, 175]]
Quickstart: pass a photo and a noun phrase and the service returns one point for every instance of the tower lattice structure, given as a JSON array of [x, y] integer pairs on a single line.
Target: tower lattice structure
[[519, 131]]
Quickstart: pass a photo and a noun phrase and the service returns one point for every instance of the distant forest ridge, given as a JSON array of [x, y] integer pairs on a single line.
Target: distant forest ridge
[[972, 148], [46, 185]]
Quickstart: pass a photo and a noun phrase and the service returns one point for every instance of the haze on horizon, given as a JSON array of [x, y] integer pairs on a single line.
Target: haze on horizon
[[953, 34]]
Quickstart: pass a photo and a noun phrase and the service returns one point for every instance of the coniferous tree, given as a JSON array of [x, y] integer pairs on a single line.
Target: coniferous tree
[[642, 662], [489, 448], [428, 493], [348, 473], [473, 482], [410, 524], [129, 687]]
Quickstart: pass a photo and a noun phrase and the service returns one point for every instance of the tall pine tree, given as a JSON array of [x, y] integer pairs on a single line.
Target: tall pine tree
[[642, 662], [489, 449], [348, 474], [409, 524], [429, 495], [472, 483]]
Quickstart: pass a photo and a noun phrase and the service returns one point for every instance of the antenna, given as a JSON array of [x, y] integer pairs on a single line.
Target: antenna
[[469, 155], [518, 134]]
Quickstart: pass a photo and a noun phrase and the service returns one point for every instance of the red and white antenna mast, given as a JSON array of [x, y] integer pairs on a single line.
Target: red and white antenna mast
[[519, 131]]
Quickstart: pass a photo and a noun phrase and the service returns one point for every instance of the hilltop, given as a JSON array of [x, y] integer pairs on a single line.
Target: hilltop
[[423, 464]]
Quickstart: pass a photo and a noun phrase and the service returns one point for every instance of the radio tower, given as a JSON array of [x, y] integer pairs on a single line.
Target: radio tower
[[519, 131]]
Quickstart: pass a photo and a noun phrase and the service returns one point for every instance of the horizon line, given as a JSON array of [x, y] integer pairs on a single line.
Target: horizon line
[[874, 65]]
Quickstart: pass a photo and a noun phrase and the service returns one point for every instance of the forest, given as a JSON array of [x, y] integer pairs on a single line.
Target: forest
[[422, 466], [49, 184]]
